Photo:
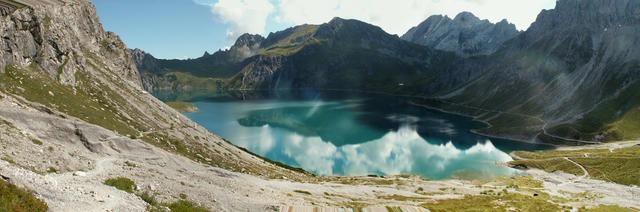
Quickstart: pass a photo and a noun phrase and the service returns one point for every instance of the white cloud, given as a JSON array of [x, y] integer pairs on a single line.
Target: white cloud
[[243, 16], [398, 16], [394, 16]]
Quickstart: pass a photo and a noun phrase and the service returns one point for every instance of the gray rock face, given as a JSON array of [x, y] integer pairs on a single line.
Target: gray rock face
[[57, 39], [466, 34], [144, 61], [150, 70], [246, 46], [567, 67]]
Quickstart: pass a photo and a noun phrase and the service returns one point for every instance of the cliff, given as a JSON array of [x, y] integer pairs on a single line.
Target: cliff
[[466, 34]]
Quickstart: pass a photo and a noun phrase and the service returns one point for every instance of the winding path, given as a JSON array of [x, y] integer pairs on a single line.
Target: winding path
[[586, 173], [544, 123]]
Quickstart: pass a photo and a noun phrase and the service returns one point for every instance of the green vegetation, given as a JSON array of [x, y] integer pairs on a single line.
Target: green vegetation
[[47, 21], [447, 106], [499, 123], [148, 198], [51, 170], [61, 68], [296, 39], [519, 181], [185, 206], [13, 198], [512, 124], [609, 208], [302, 192], [130, 164], [495, 202], [179, 206], [620, 165], [94, 102], [121, 183], [355, 181], [101, 101], [550, 165], [183, 107], [36, 141], [276, 163], [188, 80], [615, 119]]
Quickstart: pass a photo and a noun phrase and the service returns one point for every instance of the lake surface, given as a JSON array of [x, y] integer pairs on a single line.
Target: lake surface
[[349, 133]]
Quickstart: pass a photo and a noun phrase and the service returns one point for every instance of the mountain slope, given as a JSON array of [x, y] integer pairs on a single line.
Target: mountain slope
[[340, 54], [574, 72], [71, 101], [570, 77], [203, 72], [466, 34]]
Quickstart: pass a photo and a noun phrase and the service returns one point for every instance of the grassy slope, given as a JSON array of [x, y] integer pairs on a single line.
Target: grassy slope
[[293, 41], [13, 198], [127, 185], [620, 165], [90, 103], [96, 102], [190, 80], [616, 119], [183, 107], [500, 124]]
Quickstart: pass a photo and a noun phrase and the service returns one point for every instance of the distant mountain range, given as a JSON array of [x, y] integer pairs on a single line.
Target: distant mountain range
[[341, 54], [571, 77], [466, 34]]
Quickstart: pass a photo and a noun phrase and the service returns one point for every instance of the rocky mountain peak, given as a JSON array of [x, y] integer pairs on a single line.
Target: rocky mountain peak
[[248, 40], [351, 30], [466, 17], [246, 46], [466, 34], [336, 20], [594, 14]]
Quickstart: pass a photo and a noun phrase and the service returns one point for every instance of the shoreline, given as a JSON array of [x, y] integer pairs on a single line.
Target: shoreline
[[475, 131]]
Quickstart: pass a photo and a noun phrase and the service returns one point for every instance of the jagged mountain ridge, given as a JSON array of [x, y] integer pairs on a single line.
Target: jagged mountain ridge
[[466, 34]]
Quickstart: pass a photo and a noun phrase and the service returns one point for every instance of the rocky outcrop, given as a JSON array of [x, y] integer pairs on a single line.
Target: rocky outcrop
[[144, 61], [246, 46], [466, 34], [57, 38]]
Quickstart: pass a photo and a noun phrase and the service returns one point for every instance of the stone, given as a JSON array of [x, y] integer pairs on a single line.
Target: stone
[[465, 35]]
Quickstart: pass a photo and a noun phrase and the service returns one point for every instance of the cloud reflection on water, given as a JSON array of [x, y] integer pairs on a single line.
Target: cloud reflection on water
[[402, 151], [308, 134]]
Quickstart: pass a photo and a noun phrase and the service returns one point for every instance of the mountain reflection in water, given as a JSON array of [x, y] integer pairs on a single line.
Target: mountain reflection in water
[[358, 136]]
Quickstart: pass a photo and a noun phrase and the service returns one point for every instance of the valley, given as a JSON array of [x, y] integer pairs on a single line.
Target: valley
[[457, 114]]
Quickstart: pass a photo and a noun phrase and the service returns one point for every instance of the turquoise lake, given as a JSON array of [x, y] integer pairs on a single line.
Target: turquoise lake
[[350, 133]]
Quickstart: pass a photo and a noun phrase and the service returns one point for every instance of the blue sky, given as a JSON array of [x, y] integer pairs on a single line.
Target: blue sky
[[165, 28], [186, 28]]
